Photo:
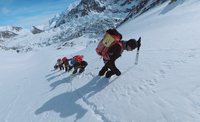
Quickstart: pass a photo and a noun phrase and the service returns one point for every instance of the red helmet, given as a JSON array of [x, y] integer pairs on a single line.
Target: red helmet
[[58, 60], [64, 59]]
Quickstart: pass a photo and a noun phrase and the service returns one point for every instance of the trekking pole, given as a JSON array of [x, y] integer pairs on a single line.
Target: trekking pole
[[137, 55], [70, 76]]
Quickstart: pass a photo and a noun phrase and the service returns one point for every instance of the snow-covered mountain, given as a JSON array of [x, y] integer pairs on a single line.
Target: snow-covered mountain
[[113, 9], [93, 18], [81, 19], [163, 87], [8, 32], [10, 28]]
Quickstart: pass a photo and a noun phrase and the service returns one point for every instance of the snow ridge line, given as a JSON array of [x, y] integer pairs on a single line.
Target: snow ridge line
[[92, 106]]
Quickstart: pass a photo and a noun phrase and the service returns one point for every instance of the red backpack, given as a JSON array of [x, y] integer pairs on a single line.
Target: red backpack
[[111, 38], [78, 58]]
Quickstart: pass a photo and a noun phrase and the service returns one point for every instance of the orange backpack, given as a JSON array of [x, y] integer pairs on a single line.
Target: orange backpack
[[111, 38]]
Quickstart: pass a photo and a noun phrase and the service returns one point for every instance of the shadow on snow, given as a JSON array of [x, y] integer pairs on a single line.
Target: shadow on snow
[[172, 6], [65, 103]]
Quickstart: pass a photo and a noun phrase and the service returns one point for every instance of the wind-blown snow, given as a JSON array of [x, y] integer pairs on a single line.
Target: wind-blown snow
[[163, 87]]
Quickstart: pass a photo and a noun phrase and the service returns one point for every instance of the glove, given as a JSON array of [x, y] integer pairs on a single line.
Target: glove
[[139, 42], [118, 73]]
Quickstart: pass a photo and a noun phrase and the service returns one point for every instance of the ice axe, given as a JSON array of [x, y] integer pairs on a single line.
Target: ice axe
[[137, 55]]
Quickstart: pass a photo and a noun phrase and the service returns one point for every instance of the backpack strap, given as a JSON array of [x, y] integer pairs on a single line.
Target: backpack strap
[[107, 54]]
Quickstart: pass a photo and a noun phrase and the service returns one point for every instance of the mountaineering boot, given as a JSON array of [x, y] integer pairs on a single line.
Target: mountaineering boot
[[70, 67], [75, 71], [109, 74], [102, 71], [81, 70], [61, 67]]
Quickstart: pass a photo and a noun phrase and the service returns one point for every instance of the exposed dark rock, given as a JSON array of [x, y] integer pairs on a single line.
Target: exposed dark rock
[[35, 30], [7, 34]]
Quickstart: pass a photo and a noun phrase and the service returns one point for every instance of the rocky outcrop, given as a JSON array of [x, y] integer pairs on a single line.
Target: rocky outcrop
[[7, 34], [35, 30]]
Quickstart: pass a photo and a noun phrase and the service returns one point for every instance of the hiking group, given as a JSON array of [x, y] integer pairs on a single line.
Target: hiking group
[[76, 62], [110, 48]]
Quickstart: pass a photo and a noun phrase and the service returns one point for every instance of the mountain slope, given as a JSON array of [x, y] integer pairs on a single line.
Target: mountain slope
[[163, 87]]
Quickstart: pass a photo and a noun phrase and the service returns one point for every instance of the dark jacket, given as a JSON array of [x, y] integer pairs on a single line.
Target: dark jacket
[[114, 53]]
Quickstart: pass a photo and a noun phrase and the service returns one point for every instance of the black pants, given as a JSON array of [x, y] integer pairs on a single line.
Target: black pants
[[105, 69], [66, 67], [81, 65], [61, 67]]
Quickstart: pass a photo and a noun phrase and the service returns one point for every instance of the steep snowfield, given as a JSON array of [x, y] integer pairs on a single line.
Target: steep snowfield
[[163, 87]]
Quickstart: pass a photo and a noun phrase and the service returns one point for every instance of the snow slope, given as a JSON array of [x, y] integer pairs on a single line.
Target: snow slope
[[163, 87]]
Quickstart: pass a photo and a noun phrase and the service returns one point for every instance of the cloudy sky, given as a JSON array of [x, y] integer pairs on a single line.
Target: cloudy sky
[[25, 13]]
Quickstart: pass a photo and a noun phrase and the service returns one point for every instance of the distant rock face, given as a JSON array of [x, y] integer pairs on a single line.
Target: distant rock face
[[35, 30], [16, 28], [7, 34], [93, 17]]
